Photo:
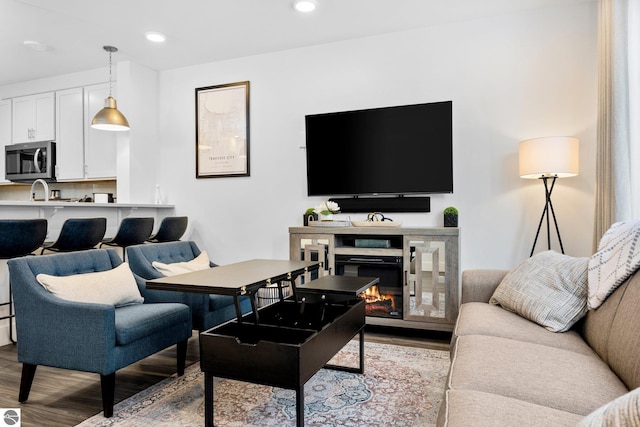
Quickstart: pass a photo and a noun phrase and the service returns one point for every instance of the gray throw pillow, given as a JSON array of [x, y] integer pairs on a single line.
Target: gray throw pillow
[[549, 288]]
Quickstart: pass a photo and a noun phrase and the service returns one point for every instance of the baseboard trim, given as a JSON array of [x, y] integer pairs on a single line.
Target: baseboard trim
[[4, 332]]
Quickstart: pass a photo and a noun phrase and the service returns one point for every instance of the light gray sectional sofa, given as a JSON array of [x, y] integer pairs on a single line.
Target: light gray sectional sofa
[[509, 371]]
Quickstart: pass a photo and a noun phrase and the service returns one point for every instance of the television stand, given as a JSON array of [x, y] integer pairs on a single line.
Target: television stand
[[417, 267]]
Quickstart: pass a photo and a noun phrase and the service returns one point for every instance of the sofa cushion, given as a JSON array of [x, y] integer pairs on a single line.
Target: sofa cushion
[[618, 257], [465, 408], [596, 326], [134, 322], [116, 287], [478, 318], [201, 262], [549, 288], [534, 373], [624, 411], [218, 302], [624, 340]]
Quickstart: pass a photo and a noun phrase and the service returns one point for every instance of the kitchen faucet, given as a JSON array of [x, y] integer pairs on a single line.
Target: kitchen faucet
[[44, 185]]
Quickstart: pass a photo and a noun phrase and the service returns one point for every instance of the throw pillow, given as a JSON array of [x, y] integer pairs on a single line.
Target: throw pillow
[[201, 262], [623, 411], [618, 257], [549, 288], [116, 286]]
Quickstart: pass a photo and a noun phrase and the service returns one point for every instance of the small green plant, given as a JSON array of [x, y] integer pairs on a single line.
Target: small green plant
[[309, 211], [451, 211], [450, 217]]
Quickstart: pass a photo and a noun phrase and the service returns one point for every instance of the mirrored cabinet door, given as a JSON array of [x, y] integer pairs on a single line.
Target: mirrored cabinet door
[[431, 271]]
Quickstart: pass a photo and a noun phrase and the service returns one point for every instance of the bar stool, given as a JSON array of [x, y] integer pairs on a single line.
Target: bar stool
[[171, 229], [132, 231], [78, 234], [19, 237]]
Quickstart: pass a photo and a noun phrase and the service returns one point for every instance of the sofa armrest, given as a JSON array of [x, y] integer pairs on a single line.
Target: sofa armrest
[[479, 285], [80, 338], [153, 296]]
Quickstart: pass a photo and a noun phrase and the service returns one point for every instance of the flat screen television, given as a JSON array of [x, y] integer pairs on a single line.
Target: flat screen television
[[392, 150]]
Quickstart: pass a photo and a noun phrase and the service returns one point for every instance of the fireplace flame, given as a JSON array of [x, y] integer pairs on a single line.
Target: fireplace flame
[[373, 295]]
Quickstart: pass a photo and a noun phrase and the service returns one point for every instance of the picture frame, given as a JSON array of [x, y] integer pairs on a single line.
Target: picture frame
[[222, 130]]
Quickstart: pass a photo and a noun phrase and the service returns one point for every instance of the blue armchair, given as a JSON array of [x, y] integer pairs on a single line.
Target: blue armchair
[[207, 310], [89, 337]]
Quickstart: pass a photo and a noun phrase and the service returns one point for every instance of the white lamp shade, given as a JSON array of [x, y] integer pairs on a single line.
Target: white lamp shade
[[549, 156]]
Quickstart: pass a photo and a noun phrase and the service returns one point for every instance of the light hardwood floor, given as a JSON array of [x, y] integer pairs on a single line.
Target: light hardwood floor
[[62, 397]]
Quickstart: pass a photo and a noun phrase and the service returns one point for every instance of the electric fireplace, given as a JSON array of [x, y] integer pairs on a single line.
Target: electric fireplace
[[384, 299]]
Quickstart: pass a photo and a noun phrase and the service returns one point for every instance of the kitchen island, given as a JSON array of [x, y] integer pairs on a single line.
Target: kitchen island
[[56, 212]]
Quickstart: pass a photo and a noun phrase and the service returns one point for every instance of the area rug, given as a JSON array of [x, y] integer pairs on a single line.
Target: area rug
[[401, 387]]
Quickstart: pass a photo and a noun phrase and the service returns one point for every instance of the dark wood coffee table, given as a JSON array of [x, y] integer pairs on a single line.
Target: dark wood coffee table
[[283, 344]]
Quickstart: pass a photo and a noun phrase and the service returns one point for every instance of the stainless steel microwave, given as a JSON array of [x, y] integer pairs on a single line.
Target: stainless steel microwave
[[30, 161]]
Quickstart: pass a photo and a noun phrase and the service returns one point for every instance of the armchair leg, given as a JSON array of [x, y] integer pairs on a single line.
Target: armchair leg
[[28, 372], [181, 356], [108, 387]]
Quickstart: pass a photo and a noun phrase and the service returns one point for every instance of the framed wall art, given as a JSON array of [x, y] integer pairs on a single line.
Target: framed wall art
[[222, 130]]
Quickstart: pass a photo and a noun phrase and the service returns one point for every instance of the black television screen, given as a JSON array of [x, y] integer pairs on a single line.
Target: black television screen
[[392, 150]]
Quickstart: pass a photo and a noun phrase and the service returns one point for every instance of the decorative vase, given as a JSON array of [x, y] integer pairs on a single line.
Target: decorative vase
[[450, 220], [328, 217], [307, 218]]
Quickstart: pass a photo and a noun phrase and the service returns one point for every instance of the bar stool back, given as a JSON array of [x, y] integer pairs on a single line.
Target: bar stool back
[[171, 229], [132, 231], [78, 234], [19, 237]]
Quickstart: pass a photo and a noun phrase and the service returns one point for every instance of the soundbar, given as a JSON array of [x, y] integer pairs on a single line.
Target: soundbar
[[383, 204]]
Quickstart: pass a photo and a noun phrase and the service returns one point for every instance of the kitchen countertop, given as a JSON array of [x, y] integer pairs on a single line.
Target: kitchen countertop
[[61, 203]]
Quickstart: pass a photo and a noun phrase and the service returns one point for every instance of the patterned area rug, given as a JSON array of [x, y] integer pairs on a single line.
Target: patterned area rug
[[401, 386]]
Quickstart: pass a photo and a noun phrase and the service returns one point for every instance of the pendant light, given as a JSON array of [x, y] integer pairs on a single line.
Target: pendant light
[[109, 118]]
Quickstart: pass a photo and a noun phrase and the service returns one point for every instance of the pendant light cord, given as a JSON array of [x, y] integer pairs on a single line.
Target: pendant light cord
[[110, 49], [110, 73]]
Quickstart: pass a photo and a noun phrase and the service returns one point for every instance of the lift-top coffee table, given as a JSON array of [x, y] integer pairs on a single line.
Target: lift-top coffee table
[[283, 344]]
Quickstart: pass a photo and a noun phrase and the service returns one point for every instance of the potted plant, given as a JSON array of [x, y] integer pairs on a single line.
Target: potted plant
[[451, 217], [326, 210], [310, 215]]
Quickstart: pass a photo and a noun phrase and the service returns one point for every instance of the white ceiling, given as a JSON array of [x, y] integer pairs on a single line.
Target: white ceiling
[[201, 31]]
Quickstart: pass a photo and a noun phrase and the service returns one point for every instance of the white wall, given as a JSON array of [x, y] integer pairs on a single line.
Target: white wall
[[138, 147], [510, 78]]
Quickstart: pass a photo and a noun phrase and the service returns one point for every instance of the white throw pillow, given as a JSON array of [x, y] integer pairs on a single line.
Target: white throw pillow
[[623, 411], [116, 287], [549, 288], [201, 262], [618, 257]]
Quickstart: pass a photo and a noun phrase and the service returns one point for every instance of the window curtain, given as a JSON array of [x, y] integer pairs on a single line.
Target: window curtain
[[618, 127]]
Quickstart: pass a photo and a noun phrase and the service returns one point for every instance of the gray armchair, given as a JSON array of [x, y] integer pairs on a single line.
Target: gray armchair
[[207, 310], [89, 337]]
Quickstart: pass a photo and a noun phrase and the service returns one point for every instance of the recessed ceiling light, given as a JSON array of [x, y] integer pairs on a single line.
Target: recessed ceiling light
[[155, 36], [305, 5], [37, 46]]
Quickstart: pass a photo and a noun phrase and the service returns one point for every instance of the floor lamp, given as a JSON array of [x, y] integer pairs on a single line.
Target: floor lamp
[[548, 159]]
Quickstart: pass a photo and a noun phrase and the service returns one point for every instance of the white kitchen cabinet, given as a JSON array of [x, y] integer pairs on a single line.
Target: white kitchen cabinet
[[100, 147], [33, 118], [5, 132], [70, 134]]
